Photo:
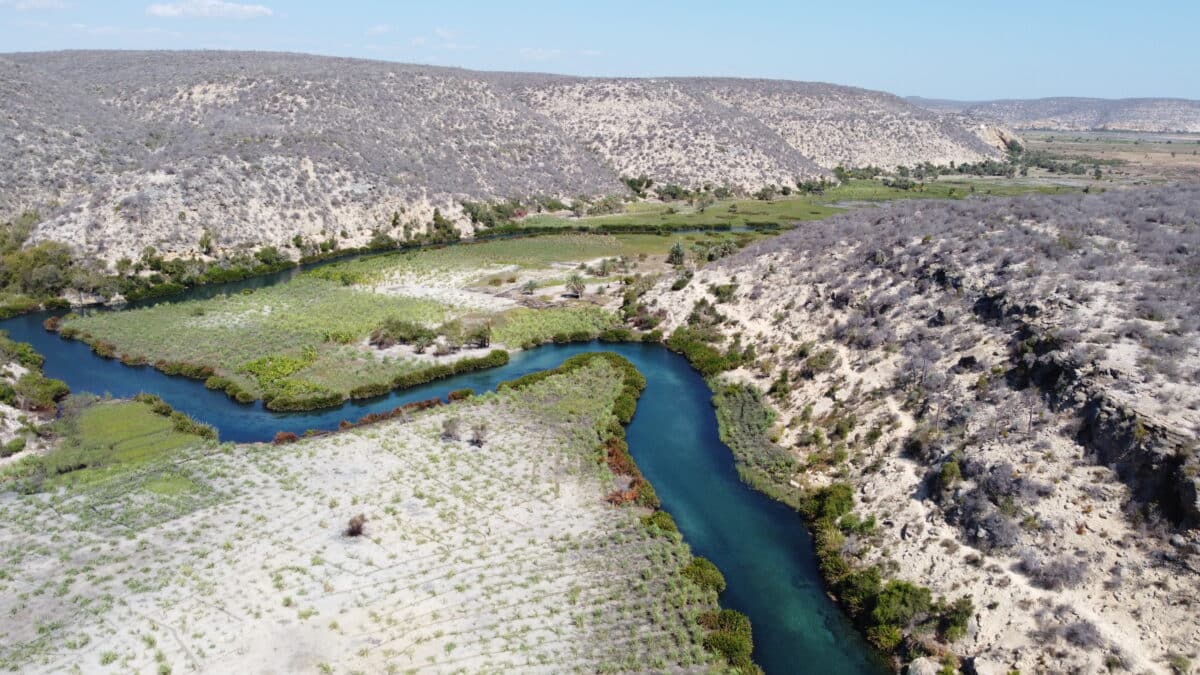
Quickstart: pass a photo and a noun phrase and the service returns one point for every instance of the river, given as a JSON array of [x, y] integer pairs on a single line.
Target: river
[[761, 546]]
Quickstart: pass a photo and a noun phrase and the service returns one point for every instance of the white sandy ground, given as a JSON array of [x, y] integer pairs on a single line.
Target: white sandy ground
[[1143, 604], [494, 559]]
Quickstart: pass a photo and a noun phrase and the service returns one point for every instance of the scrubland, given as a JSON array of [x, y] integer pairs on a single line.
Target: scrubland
[[1008, 390]]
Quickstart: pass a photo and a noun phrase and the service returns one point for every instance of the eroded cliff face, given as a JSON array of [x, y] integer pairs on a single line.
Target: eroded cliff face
[[1013, 389], [121, 150]]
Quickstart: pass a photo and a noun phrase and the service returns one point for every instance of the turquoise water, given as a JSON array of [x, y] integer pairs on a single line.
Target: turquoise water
[[760, 545]]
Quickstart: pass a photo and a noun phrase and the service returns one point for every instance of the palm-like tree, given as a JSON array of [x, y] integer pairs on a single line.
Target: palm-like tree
[[575, 285]]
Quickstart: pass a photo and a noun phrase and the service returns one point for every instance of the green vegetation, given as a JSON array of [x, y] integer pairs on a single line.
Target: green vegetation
[[744, 423], [31, 390], [730, 635], [527, 327], [284, 342], [705, 574], [101, 438]]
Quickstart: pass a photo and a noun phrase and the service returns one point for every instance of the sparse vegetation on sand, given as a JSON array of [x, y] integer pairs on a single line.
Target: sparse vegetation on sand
[[387, 547]]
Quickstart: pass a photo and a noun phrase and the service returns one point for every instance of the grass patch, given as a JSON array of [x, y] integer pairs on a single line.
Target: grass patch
[[103, 438], [242, 337], [527, 327]]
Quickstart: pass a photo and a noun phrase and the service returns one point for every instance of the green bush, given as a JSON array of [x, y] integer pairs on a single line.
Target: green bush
[[12, 447], [830, 502], [705, 574], [21, 352], [730, 636], [661, 520], [859, 589], [885, 638], [900, 603], [40, 392], [820, 362], [953, 624]]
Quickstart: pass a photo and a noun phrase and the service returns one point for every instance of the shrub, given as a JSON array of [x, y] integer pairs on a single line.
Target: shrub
[[451, 429], [355, 527], [730, 636], [1053, 575], [40, 392], [705, 574], [955, 618], [12, 447], [661, 520], [283, 437], [478, 433], [900, 603], [885, 638], [819, 362], [830, 502], [949, 475]]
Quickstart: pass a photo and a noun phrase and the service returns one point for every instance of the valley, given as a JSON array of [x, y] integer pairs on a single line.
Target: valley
[[342, 365]]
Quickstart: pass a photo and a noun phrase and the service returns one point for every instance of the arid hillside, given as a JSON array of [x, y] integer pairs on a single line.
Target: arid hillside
[[1081, 114], [121, 150], [1012, 389]]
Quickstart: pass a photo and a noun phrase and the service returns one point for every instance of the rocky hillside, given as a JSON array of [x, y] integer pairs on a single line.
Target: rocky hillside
[[1081, 114], [1012, 388], [121, 150]]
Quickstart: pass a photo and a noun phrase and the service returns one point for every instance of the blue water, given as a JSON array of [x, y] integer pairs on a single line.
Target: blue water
[[760, 545]]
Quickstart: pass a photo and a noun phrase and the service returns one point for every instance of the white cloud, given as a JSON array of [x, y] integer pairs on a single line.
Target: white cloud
[[590, 52], [92, 29], [31, 5], [445, 34], [539, 53], [209, 9], [379, 29], [418, 41]]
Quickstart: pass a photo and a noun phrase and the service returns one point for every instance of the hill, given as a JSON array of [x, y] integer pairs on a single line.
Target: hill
[[117, 151], [1009, 387], [1080, 114]]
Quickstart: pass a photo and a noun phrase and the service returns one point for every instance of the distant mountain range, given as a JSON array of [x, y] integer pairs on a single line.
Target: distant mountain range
[[1079, 114], [120, 150]]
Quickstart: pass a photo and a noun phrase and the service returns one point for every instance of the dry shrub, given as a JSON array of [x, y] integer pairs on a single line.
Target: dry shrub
[[355, 527], [283, 437]]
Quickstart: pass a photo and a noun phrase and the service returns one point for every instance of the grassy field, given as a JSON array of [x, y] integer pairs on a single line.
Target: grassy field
[[795, 208], [481, 260], [307, 319], [106, 438], [304, 340]]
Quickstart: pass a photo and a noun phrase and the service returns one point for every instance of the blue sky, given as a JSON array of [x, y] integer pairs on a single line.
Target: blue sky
[[965, 49]]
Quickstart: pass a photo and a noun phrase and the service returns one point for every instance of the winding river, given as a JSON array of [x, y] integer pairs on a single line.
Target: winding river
[[760, 545]]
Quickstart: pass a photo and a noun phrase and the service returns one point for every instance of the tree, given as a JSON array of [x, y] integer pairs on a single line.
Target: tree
[[575, 285], [206, 242], [677, 255], [452, 429], [529, 287]]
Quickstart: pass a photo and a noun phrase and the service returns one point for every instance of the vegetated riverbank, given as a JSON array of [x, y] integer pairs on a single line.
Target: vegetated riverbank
[[484, 542]]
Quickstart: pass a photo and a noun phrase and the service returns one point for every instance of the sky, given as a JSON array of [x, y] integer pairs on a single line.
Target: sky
[[965, 49]]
